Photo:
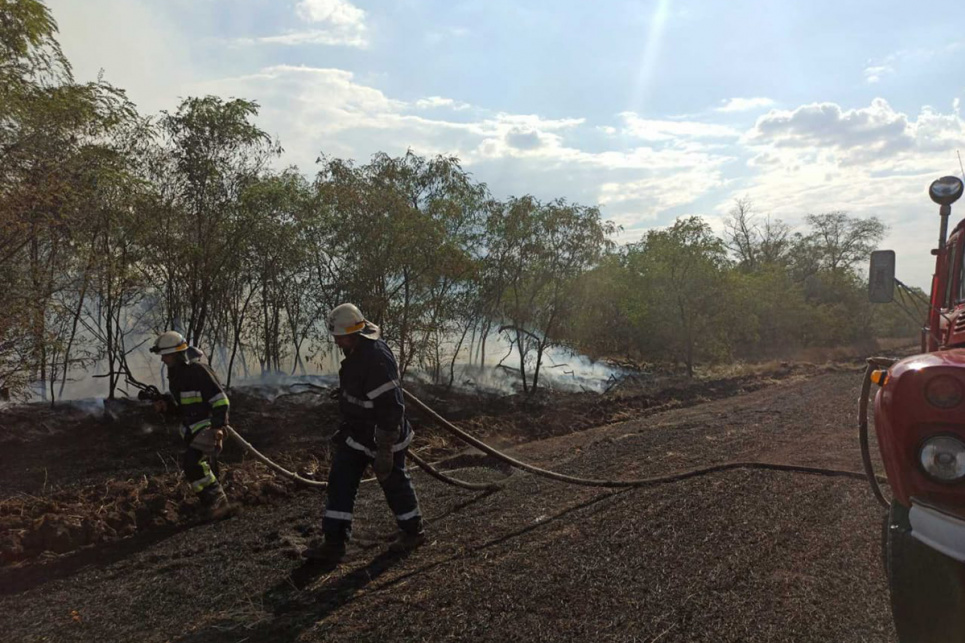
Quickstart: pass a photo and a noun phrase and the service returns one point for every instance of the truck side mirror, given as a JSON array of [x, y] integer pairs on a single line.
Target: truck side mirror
[[946, 190], [881, 277]]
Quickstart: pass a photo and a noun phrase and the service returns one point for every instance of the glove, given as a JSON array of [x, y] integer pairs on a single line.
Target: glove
[[165, 405], [209, 440], [383, 463], [383, 453]]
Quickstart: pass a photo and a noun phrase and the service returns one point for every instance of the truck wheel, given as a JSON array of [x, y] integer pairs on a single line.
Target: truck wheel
[[885, 523], [926, 586]]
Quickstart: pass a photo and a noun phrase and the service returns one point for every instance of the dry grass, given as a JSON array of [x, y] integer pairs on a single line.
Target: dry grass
[[808, 357]]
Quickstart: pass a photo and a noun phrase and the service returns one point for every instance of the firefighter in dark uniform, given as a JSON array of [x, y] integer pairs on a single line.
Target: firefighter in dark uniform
[[203, 406], [374, 430]]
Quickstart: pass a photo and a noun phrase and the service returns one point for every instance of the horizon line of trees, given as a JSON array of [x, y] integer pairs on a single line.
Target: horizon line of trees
[[114, 226]]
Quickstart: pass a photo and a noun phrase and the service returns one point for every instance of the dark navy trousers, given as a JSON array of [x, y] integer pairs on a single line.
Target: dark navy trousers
[[344, 476]]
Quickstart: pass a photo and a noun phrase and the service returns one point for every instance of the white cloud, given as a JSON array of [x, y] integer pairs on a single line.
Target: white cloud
[[438, 102], [312, 37], [663, 191], [873, 73], [533, 120], [316, 110], [939, 132], [865, 135], [857, 133], [523, 139], [764, 159], [666, 130], [335, 12], [334, 22], [744, 104], [867, 161], [907, 60]]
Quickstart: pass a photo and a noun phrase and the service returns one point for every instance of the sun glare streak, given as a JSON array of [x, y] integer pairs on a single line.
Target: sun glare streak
[[651, 52]]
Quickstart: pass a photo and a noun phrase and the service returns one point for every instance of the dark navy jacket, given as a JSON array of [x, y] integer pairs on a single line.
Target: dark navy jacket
[[370, 396], [199, 396]]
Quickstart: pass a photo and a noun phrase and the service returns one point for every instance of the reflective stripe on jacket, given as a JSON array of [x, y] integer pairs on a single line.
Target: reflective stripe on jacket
[[371, 396], [199, 397]]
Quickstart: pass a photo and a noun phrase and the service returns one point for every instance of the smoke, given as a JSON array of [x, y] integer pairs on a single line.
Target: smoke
[[275, 384], [561, 370], [89, 405]]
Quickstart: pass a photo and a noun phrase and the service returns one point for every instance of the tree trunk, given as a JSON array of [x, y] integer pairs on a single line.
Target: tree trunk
[[73, 335], [541, 346], [455, 354], [522, 360]]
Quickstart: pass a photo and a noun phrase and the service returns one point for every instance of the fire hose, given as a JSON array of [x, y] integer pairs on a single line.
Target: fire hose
[[873, 363], [318, 484], [553, 475]]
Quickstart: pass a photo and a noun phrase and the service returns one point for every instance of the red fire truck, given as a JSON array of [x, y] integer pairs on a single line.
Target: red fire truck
[[919, 422]]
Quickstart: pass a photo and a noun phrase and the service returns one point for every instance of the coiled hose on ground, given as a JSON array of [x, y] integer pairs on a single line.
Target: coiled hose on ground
[[640, 482]]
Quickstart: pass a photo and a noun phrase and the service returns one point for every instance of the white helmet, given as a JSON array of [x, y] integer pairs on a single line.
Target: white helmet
[[347, 319], [169, 342]]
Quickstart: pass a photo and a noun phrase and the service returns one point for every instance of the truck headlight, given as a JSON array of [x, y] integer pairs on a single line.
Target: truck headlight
[[943, 391], [943, 458]]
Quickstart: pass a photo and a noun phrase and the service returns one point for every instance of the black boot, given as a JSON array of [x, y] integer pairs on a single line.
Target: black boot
[[329, 551], [214, 503], [407, 541]]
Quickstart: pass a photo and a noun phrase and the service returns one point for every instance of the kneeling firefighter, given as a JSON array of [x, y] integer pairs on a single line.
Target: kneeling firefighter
[[196, 393], [374, 430]]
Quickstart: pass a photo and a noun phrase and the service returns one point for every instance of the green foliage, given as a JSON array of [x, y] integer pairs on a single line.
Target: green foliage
[[113, 226], [537, 254], [682, 273], [211, 153], [676, 296], [837, 242], [30, 56], [402, 245], [61, 142]]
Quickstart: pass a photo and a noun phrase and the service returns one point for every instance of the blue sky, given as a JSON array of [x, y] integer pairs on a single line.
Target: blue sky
[[653, 110]]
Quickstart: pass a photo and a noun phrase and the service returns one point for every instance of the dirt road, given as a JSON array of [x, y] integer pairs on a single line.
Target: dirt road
[[737, 556]]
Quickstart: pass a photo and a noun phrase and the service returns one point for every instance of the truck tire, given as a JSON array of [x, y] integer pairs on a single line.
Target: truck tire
[[885, 524], [926, 586]]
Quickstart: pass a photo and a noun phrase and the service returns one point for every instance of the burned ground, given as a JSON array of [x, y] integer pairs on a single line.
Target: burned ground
[[736, 556], [87, 475]]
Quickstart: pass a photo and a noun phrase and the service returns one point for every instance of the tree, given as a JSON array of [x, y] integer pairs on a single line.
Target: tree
[[279, 260], [603, 323], [212, 152], [756, 244], [54, 138], [837, 242], [681, 274], [402, 244], [117, 308], [538, 252]]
